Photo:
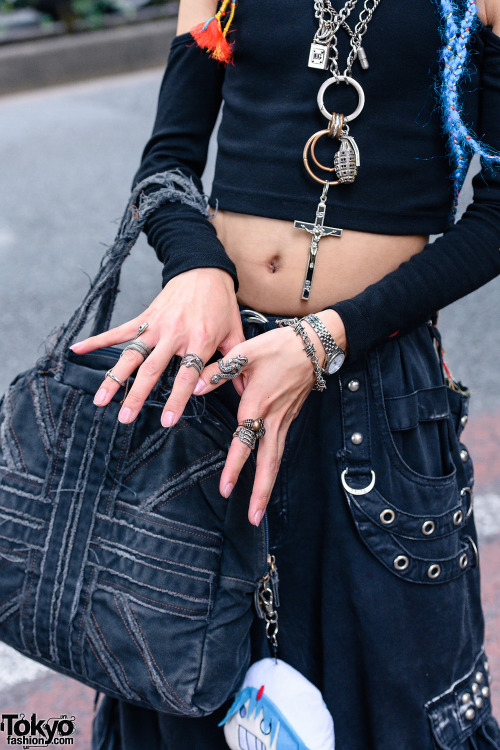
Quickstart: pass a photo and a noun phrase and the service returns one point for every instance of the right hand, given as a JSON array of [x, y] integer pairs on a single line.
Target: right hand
[[195, 312]]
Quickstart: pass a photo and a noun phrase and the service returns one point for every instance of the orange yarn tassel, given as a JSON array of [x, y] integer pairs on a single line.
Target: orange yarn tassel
[[212, 37]]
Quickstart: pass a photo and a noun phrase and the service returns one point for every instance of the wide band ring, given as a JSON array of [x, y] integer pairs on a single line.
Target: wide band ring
[[229, 369], [139, 346], [192, 360], [256, 425], [141, 329], [110, 374], [246, 435]]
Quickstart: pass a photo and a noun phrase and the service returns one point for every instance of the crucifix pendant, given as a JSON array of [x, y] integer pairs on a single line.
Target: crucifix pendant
[[317, 231]]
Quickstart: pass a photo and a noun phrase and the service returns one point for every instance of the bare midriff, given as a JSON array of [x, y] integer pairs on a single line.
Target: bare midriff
[[270, 256]]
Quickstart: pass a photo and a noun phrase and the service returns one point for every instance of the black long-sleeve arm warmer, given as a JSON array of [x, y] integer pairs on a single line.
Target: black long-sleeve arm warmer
[[463, 259], [182, 237]]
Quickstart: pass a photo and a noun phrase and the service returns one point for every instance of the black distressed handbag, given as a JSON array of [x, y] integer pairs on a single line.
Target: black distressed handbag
[[120, 563]]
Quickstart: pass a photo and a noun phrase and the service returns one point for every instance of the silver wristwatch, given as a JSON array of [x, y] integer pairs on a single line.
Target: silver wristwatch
[[335, 356]]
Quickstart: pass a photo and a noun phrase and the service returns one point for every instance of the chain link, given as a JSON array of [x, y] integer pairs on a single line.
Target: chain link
[[331, 20]]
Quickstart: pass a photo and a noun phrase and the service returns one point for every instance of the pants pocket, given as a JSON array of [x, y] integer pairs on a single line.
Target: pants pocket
[[411, 504], [460, 718]]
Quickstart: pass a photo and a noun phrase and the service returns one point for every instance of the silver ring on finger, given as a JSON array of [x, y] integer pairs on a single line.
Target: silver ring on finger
[[230, 369], [110, 374], [141, 329], [192, 360], [139, 346], [246, 435], [256, 425]]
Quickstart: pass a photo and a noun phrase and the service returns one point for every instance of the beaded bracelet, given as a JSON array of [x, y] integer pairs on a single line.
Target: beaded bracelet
[[309, 349]]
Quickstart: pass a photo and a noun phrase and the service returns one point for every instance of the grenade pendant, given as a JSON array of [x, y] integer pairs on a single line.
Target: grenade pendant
[[346, 161]]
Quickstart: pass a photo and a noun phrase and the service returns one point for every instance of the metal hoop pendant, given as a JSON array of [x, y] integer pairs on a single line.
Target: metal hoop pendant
[[350, 82], [311, 143], [313, 153], [364, 491]]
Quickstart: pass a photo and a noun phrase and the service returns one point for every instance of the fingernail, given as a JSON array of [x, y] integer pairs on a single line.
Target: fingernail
[[76, 345], [258, 517], [199, 387], [228, 489], [167, 418], [100, 396], [125, 415]]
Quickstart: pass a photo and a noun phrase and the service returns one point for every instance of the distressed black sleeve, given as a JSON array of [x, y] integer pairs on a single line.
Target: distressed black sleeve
[[188, 104]]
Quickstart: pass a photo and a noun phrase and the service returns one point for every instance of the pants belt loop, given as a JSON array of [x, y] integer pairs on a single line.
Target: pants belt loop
[[357, 475]]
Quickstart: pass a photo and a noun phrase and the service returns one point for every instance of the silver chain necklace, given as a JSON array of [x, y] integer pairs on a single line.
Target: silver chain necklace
[[324, 51], [324, 55]]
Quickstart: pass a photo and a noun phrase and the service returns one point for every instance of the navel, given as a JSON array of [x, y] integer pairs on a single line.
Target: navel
[[274, 264]]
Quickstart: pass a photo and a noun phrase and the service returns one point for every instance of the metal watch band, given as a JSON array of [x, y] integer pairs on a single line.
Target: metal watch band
[[332, 349]]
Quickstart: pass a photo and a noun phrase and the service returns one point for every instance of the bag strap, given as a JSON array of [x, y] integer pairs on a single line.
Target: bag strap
[[174, 186]]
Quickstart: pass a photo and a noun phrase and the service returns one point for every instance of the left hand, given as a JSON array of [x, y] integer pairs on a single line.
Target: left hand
[[273, 385]]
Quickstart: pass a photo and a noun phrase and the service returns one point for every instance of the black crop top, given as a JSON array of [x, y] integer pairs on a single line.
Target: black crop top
[[270, 109]]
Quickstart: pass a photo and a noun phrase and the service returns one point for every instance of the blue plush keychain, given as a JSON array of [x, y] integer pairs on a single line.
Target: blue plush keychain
[[277, 708]]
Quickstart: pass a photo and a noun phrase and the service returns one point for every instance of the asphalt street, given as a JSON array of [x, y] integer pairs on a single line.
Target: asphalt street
[[68, 156]]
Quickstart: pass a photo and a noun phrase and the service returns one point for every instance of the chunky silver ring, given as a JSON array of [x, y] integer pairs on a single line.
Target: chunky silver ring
[[192, 360], [141, 329], [230, 369], [246, 435], [256, 425], [341, 79], [111, 375], [139, 346]]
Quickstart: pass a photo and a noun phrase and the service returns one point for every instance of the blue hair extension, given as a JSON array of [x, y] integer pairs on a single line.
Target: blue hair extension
[[454, 57]]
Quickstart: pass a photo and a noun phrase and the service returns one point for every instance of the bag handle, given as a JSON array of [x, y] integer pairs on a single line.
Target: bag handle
[[174, 186]]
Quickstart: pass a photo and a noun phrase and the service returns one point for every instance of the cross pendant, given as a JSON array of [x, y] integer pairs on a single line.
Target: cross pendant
[[317, 230]]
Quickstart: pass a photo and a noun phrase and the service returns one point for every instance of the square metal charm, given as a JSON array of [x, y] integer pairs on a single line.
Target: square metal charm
[[319, 56]]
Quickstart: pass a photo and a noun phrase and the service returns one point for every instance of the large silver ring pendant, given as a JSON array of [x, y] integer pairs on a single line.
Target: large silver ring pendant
[[350, 82], [363, 491]]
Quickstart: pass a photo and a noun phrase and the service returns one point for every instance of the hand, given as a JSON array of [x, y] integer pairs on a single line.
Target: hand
[[273, 385], [195, 312]]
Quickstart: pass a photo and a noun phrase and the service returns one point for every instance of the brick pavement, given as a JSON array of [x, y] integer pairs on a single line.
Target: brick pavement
[[482, 437]]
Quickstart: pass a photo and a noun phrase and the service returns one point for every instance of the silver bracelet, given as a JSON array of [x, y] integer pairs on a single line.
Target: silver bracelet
[[309, 349], [335, 356]]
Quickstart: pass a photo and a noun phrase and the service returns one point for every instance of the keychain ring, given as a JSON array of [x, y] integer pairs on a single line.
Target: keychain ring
[[310, 145], [350, 82]]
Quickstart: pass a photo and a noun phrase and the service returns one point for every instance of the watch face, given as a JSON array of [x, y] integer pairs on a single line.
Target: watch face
[[336, 363]]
